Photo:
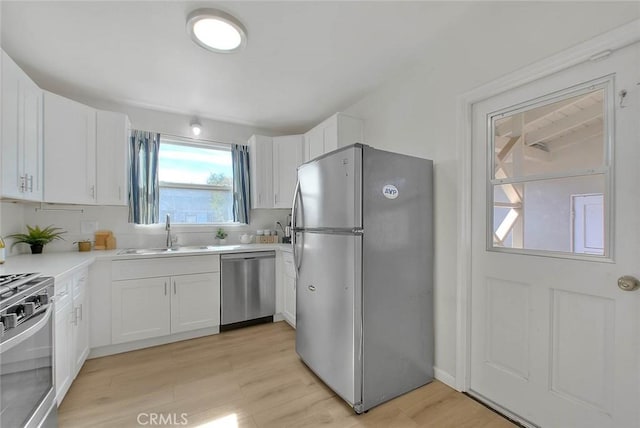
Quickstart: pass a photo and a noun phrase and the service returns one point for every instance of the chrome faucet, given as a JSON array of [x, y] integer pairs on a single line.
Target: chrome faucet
[[167, 227]]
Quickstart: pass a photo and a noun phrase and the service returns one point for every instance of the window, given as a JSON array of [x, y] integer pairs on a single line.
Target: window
[[549, 174], [196, 182]]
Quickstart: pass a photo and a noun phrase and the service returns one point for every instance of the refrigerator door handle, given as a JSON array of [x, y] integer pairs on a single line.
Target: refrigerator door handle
[[294, 212]]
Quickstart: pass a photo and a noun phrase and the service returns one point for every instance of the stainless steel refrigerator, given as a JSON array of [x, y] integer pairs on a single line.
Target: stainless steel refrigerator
[[363, 251]]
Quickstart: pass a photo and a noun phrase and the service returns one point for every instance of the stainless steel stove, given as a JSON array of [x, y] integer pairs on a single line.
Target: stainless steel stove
[[27, 396]]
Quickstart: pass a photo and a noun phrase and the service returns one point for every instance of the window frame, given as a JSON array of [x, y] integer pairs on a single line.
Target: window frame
[[201, 144], [607, 85]]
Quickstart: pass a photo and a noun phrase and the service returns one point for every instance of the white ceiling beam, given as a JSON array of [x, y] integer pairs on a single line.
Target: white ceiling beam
[[538, 113], [535, 154], [563, 125], [580, 136]]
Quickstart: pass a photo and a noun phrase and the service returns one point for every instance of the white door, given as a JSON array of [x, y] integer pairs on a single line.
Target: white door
[[195, 301], [140, 309], [554, 340]]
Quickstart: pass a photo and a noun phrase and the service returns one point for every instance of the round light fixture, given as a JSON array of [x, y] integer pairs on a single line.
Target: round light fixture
[[196, 128], [216, 31]]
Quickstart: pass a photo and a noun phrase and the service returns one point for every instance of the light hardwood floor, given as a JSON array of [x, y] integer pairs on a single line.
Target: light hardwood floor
[[246, 378]]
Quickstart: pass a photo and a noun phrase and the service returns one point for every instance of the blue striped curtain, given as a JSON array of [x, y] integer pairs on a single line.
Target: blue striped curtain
[[241, 200], [144, 189]]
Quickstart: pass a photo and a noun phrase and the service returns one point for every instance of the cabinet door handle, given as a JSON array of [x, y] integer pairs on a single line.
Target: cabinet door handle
[[30, 182], [22, 187], [93, 191], [275, 198], [174, 287], [165, 288], [80, 311]]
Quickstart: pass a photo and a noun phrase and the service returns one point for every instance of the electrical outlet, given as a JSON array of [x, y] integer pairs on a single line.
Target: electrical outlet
[[88, 227]]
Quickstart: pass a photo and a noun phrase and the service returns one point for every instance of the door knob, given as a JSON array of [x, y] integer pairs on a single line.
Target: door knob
[[628, 283]]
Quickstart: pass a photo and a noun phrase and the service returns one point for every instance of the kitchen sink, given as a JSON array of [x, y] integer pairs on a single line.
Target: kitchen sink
[[183, 249]]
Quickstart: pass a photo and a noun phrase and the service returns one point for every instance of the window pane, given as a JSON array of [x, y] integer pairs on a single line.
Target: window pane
[[196, 206], [196, 183], [566, 135], [194, 165], [565, 215]]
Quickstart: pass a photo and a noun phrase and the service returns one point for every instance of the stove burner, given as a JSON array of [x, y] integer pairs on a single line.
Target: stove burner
[[11, 283]]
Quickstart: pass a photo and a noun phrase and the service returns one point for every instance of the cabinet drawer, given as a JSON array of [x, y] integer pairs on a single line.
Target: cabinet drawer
[[163, 266]]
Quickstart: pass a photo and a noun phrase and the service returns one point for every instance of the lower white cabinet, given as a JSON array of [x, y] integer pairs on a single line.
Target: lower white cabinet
[[148, 300], [140, 309], [71, 342], [289, 284], [195, 302]]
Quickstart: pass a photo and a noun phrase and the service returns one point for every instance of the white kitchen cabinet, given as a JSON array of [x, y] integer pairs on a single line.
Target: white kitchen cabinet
[[339, 130], [22, 149], [195, 301], [261, 171], [69, 151], [289, 285], [63, 334], [153, 297], [80, 319], [141, 308], [274, 161], [287, 156], [112, 136], [71, 334]]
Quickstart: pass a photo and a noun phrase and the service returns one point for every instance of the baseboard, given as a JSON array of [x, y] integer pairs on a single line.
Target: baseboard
[[103, 351], [278, 317], [445, 377]]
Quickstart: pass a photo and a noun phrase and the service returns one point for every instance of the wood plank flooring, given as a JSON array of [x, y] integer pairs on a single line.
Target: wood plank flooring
[[244, 378]]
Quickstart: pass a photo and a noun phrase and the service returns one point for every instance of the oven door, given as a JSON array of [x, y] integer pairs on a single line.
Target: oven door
[[26, 372]]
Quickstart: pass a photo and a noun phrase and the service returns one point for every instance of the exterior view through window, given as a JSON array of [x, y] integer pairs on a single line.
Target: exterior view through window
[[196, 182], [549, 175]]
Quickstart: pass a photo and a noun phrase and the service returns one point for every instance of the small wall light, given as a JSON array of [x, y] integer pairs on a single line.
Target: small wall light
[[196, 128]]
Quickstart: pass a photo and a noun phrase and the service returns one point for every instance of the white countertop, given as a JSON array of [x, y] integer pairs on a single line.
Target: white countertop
[[58, 264]]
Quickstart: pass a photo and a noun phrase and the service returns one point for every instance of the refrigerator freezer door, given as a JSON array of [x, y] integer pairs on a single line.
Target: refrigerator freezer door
[[328, 321], [330, 191]]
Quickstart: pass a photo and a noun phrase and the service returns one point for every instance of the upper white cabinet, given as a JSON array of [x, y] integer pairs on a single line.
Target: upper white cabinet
[[287, 156], [112, 134], [22, 150], [337, 131], [261, 171], [274, 161], [69, 151]]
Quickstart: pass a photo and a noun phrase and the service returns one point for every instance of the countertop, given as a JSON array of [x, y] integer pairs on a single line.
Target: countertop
[[58, 264]]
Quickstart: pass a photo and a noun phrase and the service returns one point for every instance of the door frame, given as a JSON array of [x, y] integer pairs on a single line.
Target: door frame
[[595, 49]]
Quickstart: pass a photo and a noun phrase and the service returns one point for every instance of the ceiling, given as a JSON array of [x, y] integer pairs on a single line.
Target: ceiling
[[303, 61]]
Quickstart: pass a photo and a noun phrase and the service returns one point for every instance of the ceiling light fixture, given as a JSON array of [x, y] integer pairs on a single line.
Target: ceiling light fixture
[[196, 128], [216, 31]]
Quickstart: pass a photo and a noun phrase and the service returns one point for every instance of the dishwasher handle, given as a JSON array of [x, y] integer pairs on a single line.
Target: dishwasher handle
[[248, 256]]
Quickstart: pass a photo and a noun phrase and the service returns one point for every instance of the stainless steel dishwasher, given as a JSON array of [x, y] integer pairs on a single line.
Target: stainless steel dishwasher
[[248, 291]]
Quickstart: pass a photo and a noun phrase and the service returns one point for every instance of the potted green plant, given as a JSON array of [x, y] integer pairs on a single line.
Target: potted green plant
[[37, 238], [221, 236]]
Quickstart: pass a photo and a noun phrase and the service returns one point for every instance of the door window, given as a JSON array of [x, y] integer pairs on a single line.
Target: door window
[[543, 154]]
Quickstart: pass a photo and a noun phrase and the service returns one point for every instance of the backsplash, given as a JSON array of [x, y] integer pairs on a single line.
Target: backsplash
[[72, 217]]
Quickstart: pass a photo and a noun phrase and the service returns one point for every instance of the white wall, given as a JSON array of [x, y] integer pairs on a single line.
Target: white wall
[[415, 113]]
